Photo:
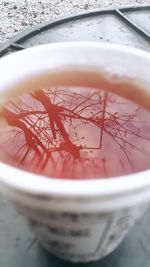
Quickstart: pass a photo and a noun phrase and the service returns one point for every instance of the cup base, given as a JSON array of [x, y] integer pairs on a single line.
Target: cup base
[[74, 258]]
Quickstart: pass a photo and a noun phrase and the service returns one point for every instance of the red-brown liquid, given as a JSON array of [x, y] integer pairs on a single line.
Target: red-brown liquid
[[76, 133]]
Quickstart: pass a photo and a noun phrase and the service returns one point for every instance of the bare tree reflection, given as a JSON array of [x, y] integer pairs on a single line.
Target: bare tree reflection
[[69, 132]]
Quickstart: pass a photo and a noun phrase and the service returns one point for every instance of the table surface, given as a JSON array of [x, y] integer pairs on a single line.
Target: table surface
[[128, 26]]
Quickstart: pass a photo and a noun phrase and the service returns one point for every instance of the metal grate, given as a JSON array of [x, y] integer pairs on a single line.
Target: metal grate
[[123, 15]]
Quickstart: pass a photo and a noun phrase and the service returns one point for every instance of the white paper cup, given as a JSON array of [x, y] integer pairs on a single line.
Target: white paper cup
[[77, 220]]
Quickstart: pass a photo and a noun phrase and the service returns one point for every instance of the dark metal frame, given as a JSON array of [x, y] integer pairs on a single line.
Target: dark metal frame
[[15, 43]]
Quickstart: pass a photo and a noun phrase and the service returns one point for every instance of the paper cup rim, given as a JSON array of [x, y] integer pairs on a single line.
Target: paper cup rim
[[35, 184]]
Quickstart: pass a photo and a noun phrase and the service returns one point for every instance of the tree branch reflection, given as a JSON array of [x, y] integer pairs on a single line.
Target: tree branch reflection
[[69, 132]]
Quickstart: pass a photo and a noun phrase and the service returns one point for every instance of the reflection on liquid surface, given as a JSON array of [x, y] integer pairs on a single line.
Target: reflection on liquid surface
[[75, 133]]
